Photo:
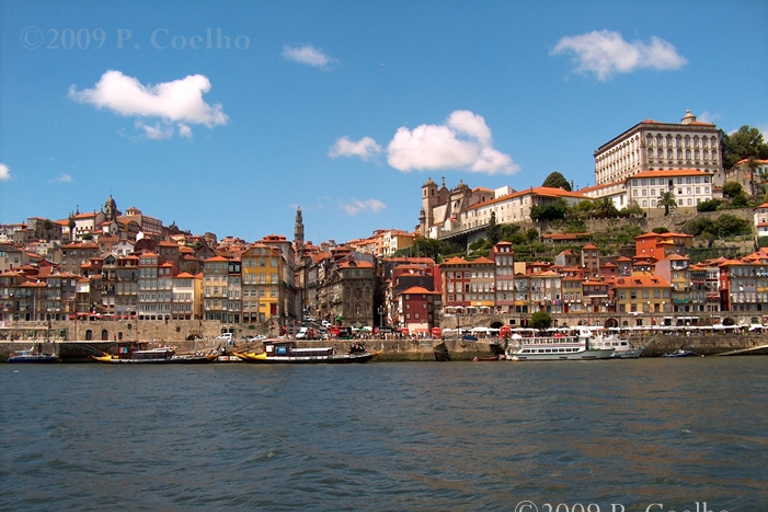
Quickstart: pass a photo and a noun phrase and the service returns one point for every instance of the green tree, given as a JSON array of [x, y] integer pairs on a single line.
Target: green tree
[[583, 209], [709, 205], [493, 231], [731, 225], [733, 189], [606, 208], [430, 248], [746, 142], [557, 180], [532, 234], [541, 320], [551, 211], [667, 201], [509, 230], [701, 225], [632, 210]]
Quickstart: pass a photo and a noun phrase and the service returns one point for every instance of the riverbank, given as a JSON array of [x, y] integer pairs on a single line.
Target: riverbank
[[403, 349]]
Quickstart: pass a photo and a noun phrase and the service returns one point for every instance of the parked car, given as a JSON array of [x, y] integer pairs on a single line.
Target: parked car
[[306, 333]]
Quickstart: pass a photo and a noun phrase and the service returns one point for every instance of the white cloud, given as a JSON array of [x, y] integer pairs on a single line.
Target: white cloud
[[5, 172], [606, 53], [156, 132], [365, 148], [356, 206], [178, 101], [463, 142], [309, 55], [62, 178]]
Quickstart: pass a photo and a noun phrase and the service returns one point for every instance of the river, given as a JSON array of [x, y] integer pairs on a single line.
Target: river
[[648, 434]]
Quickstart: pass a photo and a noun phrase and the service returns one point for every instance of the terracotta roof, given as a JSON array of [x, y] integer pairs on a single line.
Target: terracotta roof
[[669, 173], [537, 191], [456, 261], [641, 281], [417, 290], [598, 187]]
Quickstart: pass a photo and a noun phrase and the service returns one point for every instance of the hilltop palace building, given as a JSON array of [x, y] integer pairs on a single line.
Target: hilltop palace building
[[638, 166], [653, 157]]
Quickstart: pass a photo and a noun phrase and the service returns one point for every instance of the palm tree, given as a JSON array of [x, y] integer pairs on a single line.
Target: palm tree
[[667, 200], [606, 207]]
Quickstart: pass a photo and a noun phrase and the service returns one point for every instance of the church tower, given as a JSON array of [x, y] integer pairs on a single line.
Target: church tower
[[110, 209], [428, 201], [298, 229]]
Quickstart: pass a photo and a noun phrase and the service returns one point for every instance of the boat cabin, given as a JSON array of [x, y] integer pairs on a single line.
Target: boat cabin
[[142, 350], [288, 348]]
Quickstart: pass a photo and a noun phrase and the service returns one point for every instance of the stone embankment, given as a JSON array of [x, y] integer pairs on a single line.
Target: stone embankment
[[398, 349]]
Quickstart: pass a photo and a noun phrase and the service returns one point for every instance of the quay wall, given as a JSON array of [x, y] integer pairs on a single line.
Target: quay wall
[[393, 349]]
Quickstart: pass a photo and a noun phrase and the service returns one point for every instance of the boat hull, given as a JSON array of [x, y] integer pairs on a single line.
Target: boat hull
[[159, 360], [33, 359], [584, 355], [328, 359]]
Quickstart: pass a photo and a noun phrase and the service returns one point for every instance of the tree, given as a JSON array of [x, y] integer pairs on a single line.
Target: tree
[[493, 231], [733, 189], [709, 205], [551, 211], [730, 225], [583, 209], [541, 320], [557, 180], [667, 201], [701, 225], [746, 142], [632, 210], [606, 208]]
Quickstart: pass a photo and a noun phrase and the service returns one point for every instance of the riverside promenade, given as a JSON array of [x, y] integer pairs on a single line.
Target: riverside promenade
[[405, 349]]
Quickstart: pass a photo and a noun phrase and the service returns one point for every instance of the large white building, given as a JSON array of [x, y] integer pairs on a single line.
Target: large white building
[[655, 146]]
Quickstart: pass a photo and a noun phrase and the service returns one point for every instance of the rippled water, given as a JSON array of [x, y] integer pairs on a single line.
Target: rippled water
[[387, 436]]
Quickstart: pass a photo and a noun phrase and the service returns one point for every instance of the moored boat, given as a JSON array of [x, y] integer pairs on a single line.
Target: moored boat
[[622, 347], [287, 352], [32, 356], [141, 353], [555, 348], [681, 352]]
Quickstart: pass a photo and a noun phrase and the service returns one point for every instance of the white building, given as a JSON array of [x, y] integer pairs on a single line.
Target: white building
[[761, 220], [656, 146], [689, 186]]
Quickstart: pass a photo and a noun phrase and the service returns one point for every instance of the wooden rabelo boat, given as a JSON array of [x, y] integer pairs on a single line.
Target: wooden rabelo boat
[[142, 353], [287, 352]]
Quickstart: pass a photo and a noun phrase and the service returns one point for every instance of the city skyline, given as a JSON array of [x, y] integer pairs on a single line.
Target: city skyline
[[227, 117]]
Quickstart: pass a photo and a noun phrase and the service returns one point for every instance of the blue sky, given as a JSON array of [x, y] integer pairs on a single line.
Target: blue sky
[[227, 116]]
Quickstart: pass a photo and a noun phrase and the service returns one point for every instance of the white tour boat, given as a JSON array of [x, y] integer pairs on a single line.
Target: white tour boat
[[554, 348], [622, 347]]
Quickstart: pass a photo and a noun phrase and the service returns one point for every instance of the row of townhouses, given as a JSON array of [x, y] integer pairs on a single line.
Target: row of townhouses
[[124, 265], [274, 281]]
